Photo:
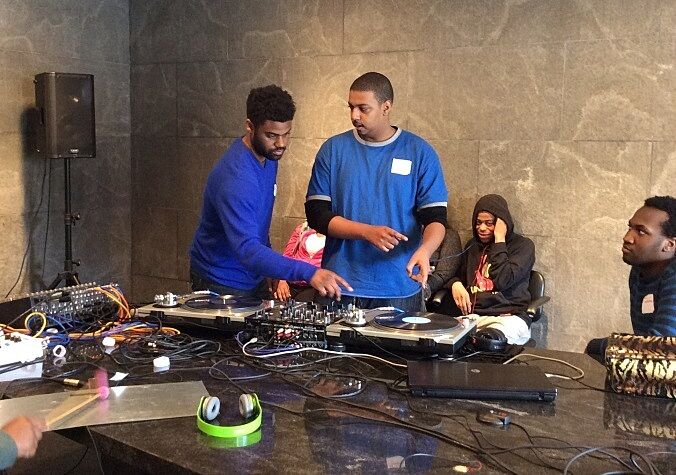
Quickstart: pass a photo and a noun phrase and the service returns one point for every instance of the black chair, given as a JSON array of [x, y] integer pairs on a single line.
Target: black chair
[[442, 300], [536, 287]]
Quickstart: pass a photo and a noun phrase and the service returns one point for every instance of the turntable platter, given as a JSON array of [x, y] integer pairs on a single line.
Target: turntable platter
[[415, 321], [221, 302]]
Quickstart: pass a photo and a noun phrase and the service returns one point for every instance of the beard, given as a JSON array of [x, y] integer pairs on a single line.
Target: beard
[[260, 148]]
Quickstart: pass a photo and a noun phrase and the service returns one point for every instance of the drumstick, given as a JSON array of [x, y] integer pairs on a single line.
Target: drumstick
[[99, 390]]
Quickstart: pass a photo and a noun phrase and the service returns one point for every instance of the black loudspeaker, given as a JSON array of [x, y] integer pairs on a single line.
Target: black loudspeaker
[[65, 103]]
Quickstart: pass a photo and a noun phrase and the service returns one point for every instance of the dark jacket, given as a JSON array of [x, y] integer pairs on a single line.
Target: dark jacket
[[510, 264]]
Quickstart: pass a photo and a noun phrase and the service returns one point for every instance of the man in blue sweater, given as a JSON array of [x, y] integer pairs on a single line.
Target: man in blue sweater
[[231, 252], [19, 438], [649, 247]]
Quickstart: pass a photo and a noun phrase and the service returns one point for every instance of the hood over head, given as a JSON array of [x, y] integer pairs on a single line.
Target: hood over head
[[497, 206]]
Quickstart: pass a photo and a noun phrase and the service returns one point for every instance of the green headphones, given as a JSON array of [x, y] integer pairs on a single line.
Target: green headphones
[[249, 406]]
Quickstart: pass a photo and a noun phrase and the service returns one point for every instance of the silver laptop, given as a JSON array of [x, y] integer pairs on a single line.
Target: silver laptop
[[436, 378]]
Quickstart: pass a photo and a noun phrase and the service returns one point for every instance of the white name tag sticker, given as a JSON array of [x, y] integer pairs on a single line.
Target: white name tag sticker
[[648, 304], [401, 166]]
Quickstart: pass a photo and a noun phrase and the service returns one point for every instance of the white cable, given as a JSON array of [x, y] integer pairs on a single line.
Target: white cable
[[319, 350], [580, 376]]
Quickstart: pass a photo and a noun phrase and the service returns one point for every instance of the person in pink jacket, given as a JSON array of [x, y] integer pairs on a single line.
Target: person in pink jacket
[[305, 244]]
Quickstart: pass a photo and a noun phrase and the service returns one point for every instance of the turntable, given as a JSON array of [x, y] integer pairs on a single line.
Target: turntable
[[393, 329], [226, 312]]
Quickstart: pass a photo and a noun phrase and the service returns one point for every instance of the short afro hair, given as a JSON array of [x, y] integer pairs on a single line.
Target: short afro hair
[[377, 83], [668, 205], [269, 103]]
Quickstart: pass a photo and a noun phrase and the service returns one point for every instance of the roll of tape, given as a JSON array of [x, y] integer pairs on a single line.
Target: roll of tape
[[108, 342], [161, 362]]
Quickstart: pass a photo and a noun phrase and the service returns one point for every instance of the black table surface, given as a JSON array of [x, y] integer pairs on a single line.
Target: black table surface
[[381, 430]]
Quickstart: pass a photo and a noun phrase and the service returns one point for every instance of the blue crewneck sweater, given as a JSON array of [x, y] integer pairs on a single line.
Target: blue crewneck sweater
[[231, 246]]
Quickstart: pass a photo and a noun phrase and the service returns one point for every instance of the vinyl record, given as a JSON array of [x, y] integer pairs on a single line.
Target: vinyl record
[[219, 302], [416, 321]]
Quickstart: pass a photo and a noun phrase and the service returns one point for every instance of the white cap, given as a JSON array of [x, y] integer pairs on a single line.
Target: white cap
[[161, 362], [108, 342]]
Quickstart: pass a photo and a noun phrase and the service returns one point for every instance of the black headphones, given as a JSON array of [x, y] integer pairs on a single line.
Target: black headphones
[[489, 339], [249, 408]]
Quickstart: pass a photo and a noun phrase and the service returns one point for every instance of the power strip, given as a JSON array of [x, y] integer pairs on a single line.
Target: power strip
[[19, 348]]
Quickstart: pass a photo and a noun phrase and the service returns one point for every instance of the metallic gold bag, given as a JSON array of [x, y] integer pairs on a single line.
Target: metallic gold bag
[[641, 365]]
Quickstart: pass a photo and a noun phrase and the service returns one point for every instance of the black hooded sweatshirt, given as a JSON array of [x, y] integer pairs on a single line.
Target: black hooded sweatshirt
[[510, 265]]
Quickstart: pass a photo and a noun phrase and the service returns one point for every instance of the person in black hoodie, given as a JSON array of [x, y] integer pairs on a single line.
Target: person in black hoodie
[[494, 273]]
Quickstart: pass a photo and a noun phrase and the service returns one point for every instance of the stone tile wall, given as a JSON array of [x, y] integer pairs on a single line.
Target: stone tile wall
[[77, 36], [566, 107]]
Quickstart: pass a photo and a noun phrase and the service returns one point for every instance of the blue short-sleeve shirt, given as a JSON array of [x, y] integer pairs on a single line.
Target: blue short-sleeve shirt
[[383, 184]]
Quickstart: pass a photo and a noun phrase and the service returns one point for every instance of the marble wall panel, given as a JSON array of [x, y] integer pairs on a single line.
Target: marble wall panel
[[102, 241], [187, 224], [152, 29], [381, 25], [281, 229], [178, 30], [293, 177], [26, 235], [16, 90], [320, 87], [45, 258], [663, 170], [21, 176], [487, 93], [195, 159], [101, 238], [538, 21], [212, 96], [668, 17], [111, 96], [154, 243], [144, 287], [618, 90], [545, 253], [285, 28], [154, 171], [104, 181], [460, 162], [590, 296], [666, 108], [568, 188], [153, 100], [68, 28], [14, 237]]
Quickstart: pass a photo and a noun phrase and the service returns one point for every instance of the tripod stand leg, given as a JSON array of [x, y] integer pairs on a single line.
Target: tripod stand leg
[[69, 279]]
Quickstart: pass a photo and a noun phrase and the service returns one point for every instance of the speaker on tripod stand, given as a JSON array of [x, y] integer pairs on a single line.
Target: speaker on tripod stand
[[66, 130]]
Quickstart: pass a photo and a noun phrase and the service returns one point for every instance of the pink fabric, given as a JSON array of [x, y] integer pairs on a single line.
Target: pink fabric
[[295, 248]]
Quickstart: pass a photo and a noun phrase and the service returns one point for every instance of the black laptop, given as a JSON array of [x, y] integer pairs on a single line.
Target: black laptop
[[436, 378]]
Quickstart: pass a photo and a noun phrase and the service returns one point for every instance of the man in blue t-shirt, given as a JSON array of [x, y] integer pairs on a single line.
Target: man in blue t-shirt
[[231, 252], [377, 192], [649, 247]]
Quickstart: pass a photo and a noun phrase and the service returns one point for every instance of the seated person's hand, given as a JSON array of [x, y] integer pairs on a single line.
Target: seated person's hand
[[461, 298], [283, 292], [500, 230], [383, 238], [420, 259], [26, 433], [328, 283]]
